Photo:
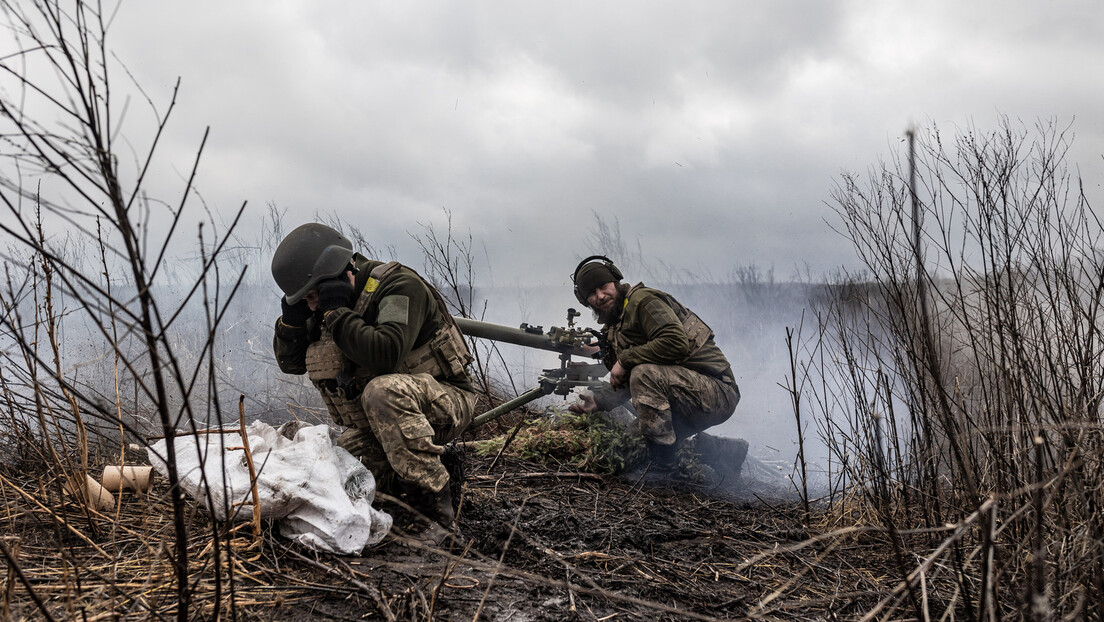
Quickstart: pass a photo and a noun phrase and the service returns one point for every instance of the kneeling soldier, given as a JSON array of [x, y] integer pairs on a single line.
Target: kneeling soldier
[[662, 356], [382, 349]]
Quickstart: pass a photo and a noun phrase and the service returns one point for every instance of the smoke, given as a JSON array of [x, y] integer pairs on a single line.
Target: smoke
[[748, 310]]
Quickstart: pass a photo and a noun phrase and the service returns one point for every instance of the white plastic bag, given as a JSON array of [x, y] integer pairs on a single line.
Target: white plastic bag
[[319, 494]]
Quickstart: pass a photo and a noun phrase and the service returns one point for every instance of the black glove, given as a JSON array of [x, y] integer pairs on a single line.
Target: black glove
[[334, 293], [294, 314]]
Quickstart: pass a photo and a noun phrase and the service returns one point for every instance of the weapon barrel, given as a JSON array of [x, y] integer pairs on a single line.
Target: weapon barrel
[[516, 336], [506, 407]]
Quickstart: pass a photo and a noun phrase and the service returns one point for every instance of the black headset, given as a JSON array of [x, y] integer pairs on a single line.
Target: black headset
[[582, 296]]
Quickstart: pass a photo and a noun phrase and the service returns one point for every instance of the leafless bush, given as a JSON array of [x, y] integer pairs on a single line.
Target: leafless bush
[[449, 264], [962, 380], [62, 172]]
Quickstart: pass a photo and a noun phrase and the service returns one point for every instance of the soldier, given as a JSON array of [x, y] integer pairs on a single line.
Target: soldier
[[661, 356], [380, 346]]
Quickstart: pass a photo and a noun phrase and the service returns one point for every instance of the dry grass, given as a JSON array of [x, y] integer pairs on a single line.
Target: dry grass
[[557, 542]]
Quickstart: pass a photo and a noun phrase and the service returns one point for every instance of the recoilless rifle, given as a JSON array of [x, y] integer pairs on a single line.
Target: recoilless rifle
[[568, 342], [725, 455]]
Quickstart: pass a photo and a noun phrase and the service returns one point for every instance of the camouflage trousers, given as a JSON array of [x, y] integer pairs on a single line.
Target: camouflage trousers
[[674, 402], [407, 420]]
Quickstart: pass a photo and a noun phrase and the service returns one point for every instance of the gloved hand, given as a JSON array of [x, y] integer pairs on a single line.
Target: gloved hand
[[294, 314], [334, 293]]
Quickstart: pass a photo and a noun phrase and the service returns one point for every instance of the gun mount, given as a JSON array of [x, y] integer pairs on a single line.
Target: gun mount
[[568, 342]]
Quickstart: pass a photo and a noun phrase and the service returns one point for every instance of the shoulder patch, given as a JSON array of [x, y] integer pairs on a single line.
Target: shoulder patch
[[660, 312], [394, 309]]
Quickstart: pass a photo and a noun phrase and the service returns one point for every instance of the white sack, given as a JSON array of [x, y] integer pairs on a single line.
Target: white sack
[[319, 494]]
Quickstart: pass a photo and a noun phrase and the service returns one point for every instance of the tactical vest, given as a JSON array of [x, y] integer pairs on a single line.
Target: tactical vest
[[697, 331], [340, 381]]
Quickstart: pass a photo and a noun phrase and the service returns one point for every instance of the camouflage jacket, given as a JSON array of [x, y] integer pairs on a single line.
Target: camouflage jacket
[[403, 315]]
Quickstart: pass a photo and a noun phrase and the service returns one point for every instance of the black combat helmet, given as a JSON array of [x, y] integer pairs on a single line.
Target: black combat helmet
[[309, 254]]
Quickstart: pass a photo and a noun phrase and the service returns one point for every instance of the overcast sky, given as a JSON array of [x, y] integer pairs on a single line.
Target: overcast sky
[[713, 132]]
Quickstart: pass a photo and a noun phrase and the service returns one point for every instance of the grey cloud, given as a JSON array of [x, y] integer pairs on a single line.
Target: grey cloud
[[525, 119]]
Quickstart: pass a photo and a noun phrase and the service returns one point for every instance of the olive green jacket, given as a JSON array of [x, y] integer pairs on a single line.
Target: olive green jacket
[[403, 315], [650, 329]]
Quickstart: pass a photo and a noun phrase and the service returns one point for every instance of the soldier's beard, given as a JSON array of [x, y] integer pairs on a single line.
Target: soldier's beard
[[611, 314]]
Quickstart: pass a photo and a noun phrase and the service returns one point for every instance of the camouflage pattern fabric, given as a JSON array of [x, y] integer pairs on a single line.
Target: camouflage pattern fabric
[[412, 417], [398, 420], [673, 402], [363, 444]]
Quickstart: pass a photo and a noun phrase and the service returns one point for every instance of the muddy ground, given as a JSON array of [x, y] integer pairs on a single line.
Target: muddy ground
[[541, 544], [556, 545]]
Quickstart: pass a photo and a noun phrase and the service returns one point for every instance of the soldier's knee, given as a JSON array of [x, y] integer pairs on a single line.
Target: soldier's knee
[[377, 388], [644, 377], [392, 389]]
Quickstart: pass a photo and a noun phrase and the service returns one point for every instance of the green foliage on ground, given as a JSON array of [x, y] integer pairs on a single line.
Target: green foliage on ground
[[585, 442]]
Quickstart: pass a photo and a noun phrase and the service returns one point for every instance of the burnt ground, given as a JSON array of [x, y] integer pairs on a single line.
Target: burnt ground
[[542, 544]]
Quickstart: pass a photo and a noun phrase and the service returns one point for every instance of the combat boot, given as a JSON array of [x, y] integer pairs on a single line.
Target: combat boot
[[441, 509], [664, 457], [725, 455], [438, 509]]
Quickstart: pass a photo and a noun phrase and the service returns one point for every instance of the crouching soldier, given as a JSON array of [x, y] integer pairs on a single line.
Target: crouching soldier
[[661, 356], [379, 344]]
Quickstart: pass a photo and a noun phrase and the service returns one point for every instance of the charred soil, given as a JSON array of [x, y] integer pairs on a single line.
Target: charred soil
[[537, 544]]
